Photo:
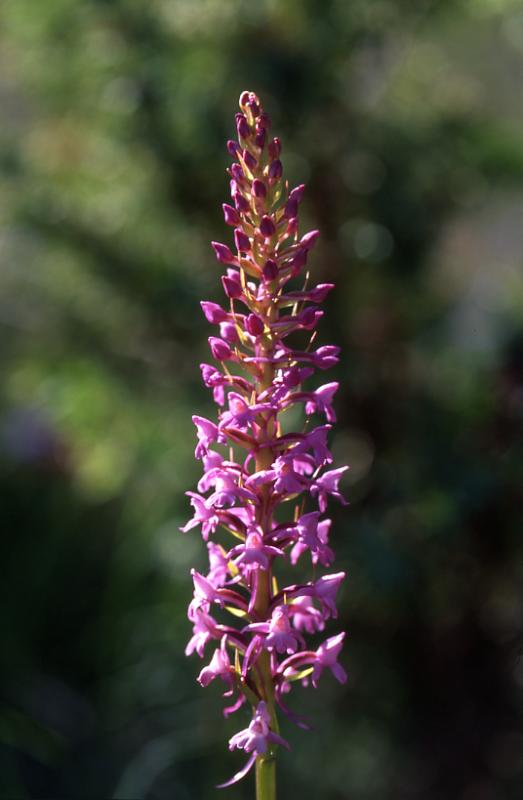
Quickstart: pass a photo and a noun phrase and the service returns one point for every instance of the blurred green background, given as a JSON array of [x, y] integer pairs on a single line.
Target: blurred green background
[[404, 119]]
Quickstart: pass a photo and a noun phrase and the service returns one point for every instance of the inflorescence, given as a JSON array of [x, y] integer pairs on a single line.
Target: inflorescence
[[256, 473]]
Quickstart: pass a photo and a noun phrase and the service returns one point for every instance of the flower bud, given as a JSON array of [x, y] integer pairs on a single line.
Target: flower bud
[[219, 349], [274, 148], [233, 148], [309, 240], [254, 325], [232, 286], [228, 332], [264, 121], [267, 227], [298, 261], [250, 161], [241, 240], [242, 126], [223, 253], [244, 99], [253, 107], [231, 215], [259, 139], [242, 205], [237, 173], [270, 270], [213, 312], [275, 170], [259, 189], [320, 292], [292, 227], [309, 317], [291, 206]]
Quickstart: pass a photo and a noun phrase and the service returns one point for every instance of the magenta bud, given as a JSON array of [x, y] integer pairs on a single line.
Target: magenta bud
[[213, 312], [291, 206], [219, 349], [267, 227], [309, 240], [297, 192], [298, 261], [292, 227], [228, 332], [244, 98], [249, 159], [320, 292], [233, 148], [242, 205], [241, 240], [264, 121], [270, 270], [231, 215], [223, 253], [253, 107], [275, 170], [308, 317], [254, 325], [242, 126], [274, 148], [232, 287], [259, 139], [237, 173], [259, 189]]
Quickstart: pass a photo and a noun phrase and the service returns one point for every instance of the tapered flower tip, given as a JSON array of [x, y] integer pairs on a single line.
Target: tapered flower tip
[[220, 349], [232, 286], [223, 253], [320, 292], [297, 192], [241, 240], [230, 215], [254, 325], [267, 227], [275, 169], [247, 99], [213, 312], [242, 127], [259, 189], [274, 148], [291, 206], [309, 240], [233, 148]]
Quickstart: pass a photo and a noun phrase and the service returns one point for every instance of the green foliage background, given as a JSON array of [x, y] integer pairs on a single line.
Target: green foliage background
[[404, 119]]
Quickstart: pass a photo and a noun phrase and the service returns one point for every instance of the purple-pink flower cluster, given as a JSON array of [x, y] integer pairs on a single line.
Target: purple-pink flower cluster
[[257, 474]]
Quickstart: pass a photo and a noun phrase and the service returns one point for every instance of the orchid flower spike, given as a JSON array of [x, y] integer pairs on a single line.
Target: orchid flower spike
[[251, 631]]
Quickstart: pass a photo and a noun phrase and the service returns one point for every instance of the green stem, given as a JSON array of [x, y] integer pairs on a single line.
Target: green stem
[[266, 764], [266, 777]]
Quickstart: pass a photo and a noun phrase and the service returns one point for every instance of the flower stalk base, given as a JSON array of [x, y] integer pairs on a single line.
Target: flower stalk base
[[266, 777]]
